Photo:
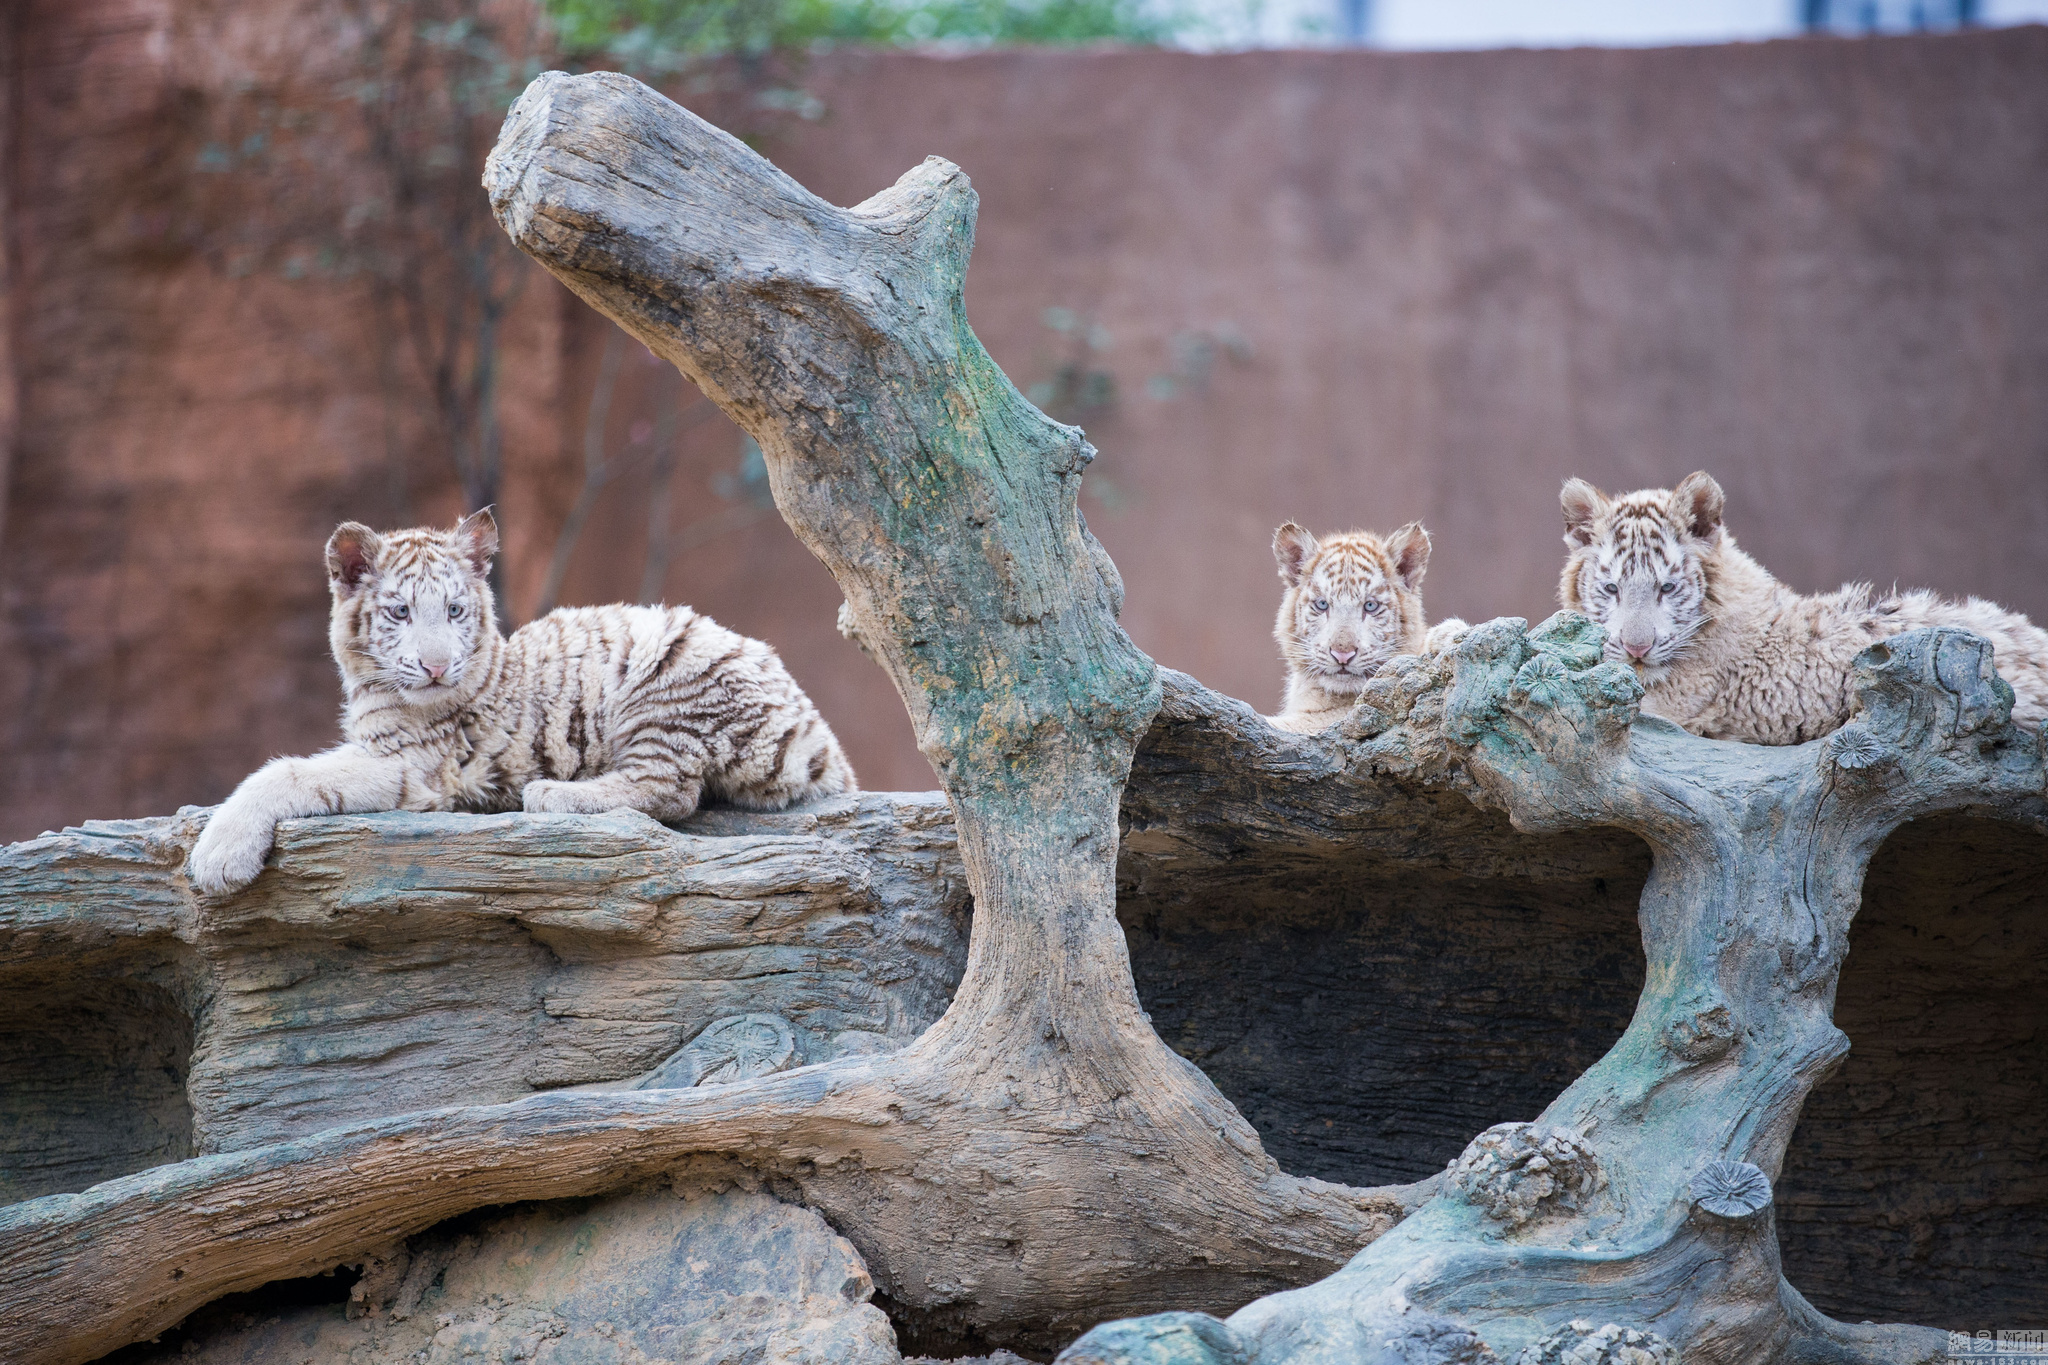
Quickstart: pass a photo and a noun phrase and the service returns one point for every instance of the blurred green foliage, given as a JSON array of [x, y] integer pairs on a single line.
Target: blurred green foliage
[[669, 35]]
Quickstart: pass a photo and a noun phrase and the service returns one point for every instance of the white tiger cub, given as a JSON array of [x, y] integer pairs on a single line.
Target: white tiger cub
[[1352, 602], [588, 709], [1726, 650]]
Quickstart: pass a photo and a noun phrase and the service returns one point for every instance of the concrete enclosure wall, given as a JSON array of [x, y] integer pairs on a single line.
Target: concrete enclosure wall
[[1349, 288]]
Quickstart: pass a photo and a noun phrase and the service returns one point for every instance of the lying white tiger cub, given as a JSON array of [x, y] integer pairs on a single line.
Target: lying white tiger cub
[[1726, 650], [1353, 602], [587, 709]]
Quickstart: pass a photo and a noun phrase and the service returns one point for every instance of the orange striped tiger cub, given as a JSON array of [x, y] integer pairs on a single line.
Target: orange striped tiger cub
[[1353, 602], [588, 709]]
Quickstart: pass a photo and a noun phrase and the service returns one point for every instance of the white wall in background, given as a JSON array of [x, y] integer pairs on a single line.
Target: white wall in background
[[1441, 24], [1568, 23]]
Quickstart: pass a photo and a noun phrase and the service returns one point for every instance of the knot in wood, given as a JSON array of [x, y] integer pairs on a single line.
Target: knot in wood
[[1579, 1342], [1503, 666], [1702, 1036], [1577, 646], [1543, 680], [1934, 684], [1517, 1172], [739, 1047], [1730, 1191], [1854, 750]]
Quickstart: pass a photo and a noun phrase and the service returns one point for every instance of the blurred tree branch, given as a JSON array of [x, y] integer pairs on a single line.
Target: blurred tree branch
[[434, 77], [361, 169], [746, 491], [654, 38]]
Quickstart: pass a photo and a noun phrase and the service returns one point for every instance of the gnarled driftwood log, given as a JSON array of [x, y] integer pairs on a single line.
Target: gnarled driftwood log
[[1641, 1197]]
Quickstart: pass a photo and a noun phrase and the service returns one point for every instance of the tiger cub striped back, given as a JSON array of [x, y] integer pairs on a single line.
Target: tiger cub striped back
[[587, 709]]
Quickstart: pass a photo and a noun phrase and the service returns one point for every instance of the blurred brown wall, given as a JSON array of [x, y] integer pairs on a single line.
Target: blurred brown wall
[[1345, 287]]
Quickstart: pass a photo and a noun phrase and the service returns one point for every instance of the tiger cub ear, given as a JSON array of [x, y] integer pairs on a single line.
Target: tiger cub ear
[[477, 535], [1292, 549], [1409, 549], [1698, 502], [1582, 504], [352, 556]]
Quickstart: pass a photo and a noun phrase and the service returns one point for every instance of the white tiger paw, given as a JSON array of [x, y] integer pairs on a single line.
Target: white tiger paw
[[230, 851], [1444, 635], [564, 798]]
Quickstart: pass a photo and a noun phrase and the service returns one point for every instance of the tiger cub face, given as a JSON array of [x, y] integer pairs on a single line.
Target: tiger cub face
[[1353, 602], [412, 609], [1641, 565]]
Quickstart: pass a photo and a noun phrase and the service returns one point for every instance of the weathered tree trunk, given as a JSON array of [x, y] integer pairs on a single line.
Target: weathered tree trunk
[[1038, 1160]]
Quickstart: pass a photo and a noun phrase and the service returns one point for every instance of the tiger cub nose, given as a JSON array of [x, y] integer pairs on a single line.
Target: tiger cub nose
[[1343, 656], [435, 671]]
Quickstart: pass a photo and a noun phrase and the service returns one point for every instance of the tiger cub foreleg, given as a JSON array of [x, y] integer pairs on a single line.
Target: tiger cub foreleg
[[345, 779], [665, 798], [656, 772]]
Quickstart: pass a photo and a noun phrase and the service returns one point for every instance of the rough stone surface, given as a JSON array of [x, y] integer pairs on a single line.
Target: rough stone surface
[[400, 962], [1581, 1343], [1218, 798], [1396, 1336], [1165, 1338], [1518, 1172], [688, 1275], [1731, 1030]]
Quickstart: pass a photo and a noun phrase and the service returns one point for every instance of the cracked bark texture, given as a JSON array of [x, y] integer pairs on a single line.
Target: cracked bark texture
[[1038, 1160]]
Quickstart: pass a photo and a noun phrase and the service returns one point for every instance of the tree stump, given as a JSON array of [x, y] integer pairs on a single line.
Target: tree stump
[[1038, 1160]]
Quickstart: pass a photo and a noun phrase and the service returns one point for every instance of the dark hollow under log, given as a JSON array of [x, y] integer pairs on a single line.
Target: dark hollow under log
[[1916, 1185], [1371, 970]]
